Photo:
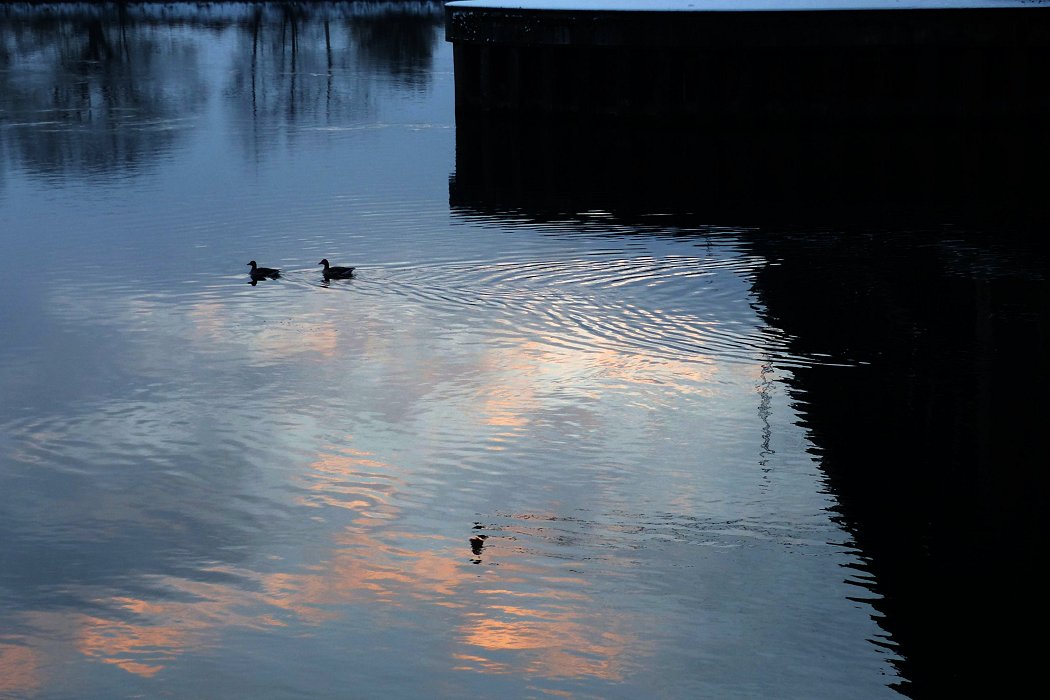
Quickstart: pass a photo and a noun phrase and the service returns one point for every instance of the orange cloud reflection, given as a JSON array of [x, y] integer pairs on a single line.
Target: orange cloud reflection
[[351, 479], [212, 327], [370, 560], [523, 612], [546, 641], [529, 619], [19, 671], [135, 648], [142, 637]]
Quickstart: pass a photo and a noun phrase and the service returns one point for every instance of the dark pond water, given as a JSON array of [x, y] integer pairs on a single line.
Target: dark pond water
[[597, 416]]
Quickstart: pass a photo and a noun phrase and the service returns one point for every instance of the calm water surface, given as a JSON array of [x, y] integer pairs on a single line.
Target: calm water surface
[[515, 456]]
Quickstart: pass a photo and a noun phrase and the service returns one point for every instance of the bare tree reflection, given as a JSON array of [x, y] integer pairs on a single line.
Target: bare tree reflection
[[102, 89], [92, 93], [285, 74], [320, 66], [400, 43]]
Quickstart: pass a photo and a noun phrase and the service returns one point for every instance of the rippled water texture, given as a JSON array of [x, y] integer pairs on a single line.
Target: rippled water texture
[[514, 456]]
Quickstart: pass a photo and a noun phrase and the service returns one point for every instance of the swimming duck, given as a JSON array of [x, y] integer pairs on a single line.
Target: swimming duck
[[330, 272], [262, 273]]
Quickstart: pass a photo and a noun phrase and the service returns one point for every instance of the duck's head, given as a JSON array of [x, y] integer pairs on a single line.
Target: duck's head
[[324, 261], [252, 264]]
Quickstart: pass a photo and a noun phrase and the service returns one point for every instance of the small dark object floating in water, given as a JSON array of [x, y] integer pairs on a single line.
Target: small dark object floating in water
[[263, 273], [330, 272]]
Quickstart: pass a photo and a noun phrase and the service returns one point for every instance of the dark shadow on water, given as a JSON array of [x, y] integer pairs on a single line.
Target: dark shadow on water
[[917, 258], [932, 443], [767, 173]]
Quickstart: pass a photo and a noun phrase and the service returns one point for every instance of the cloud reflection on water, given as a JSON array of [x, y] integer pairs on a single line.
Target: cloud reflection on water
[[519, 613], [555, 630], [19, 670], [144, 636], [537, 622]]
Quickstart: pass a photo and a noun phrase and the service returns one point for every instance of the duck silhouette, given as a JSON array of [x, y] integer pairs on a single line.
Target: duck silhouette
[[263, 273], [330, 272]]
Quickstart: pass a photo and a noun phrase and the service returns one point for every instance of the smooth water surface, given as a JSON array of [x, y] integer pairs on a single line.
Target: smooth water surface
[[512, 457]]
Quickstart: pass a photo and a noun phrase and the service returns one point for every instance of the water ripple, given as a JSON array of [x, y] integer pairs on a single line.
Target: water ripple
[[598, 303]]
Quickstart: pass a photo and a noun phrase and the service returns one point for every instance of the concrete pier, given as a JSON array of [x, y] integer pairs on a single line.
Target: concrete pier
[[753, 60]]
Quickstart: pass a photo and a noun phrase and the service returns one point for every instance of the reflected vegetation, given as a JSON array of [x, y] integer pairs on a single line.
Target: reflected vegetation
[[113, 87], [111, 95], [314, 65]]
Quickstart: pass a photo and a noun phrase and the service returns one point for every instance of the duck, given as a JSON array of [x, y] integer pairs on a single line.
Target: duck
[[262, 273], [330, 272]]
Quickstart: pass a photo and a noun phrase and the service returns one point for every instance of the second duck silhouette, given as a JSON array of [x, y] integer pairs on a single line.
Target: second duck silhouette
[[263, 273], [330, 272]]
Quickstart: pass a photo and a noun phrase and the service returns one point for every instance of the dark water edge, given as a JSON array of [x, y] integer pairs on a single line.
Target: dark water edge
[[917, 256], [723, 172], [933, 445]]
